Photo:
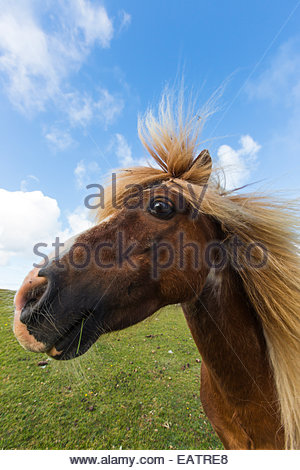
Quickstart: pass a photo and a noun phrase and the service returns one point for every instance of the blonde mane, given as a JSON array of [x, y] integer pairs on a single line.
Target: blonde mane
[[172, 140]]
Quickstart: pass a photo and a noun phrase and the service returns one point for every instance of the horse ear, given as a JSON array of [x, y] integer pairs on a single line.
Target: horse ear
[[204, 161]]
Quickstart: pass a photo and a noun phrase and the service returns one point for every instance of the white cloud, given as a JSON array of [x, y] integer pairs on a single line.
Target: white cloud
[[238, 164], [37, 60], [27, 218], [26, 58], [279, 86], [81, 109], [125, 20], [280, 81], [5, 256], [78, 221], [27, 182], [86, 173], [123, 152], [58, 139], [94, 22], [80, 172], [108, 107]]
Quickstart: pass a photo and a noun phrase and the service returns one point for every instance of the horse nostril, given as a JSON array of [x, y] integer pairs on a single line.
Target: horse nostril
[[31, 300], [44, 272], [51, 271]]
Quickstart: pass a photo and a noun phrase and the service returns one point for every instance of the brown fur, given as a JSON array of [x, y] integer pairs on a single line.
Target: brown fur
[[245, 321], [273, 292]]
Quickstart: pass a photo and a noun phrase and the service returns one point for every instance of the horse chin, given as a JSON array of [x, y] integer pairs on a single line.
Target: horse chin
[[85, 331], [77, 339], [59, 341], [65, 350]]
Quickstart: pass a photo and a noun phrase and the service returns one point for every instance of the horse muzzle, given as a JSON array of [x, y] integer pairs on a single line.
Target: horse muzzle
[[52, 318]]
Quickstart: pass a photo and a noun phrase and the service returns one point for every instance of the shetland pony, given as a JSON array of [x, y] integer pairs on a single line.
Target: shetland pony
[[172, 234]]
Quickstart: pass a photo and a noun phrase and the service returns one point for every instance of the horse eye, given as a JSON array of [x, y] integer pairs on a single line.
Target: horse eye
[[162, 208]]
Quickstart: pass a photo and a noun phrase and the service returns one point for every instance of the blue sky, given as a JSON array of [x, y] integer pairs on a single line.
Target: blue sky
[[74, 75]]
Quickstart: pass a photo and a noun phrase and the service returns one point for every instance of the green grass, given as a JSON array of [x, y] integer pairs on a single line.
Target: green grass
[[127, 392]]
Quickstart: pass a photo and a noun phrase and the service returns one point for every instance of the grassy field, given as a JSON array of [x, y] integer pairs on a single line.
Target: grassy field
[[135, 389]]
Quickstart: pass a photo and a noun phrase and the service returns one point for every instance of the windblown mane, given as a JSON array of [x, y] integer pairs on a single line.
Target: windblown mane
[[172, 140]]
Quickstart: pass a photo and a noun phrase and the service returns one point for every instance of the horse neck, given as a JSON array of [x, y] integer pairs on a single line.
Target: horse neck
[[230, 339]]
